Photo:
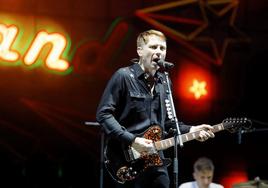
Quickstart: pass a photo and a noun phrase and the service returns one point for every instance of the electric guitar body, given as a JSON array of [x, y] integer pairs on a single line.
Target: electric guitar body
[[124, 163]]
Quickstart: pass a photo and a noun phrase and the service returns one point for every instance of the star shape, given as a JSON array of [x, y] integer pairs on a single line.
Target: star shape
[[210, 49], [221, 30], [160, 16], [198, 88]]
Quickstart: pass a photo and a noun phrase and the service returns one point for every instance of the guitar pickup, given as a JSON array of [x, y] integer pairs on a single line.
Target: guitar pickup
[[128, 155]]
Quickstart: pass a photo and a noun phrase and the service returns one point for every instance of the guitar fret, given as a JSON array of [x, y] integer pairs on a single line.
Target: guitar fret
[[218, 127], [170, 142], [164, 144], [167, 143]]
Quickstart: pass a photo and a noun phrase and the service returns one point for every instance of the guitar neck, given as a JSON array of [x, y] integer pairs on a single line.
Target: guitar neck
[[167, 143]]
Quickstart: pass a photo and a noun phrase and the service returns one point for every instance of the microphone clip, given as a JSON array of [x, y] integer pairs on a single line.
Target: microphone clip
[[164, 64]]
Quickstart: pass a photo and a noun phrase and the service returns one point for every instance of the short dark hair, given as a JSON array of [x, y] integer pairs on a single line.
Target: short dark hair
[[203, 163]]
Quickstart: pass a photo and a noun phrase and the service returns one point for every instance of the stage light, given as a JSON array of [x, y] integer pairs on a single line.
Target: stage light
[[194, 82], [195, 90], [234, 177], [198, 88]]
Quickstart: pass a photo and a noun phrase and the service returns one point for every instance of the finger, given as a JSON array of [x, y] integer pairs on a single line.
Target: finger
[[148, 141], [149, 145], [202, 135], [208, 134], [211, 134], [201, 139], [206, 126]]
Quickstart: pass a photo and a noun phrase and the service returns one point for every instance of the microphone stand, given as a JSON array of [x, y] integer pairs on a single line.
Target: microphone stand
[[177, 135], [250, 130], [241, 132], [95, 124]]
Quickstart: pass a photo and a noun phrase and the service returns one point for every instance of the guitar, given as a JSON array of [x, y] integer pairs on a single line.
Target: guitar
[[125, 163]]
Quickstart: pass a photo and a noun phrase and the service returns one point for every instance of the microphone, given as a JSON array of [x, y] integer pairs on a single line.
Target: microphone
[[165, 64]]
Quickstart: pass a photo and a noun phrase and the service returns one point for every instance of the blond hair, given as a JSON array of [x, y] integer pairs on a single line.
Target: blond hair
[[143, 37]]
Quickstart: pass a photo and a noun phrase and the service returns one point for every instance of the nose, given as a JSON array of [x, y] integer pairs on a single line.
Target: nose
[[158, 50], [206, 181], [158, 54]]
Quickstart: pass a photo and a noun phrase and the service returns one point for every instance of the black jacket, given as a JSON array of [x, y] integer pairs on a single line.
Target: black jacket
[[125, 109]]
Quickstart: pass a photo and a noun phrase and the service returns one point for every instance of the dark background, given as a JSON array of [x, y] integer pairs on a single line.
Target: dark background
[[44, 141]]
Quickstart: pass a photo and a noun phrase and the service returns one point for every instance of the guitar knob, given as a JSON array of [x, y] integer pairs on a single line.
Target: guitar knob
[[106, 162]]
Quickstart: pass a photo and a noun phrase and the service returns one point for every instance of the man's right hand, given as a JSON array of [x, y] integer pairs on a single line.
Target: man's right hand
[[143, 145]]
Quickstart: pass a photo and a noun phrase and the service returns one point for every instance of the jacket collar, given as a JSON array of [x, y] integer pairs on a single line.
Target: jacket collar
[[136, 68]]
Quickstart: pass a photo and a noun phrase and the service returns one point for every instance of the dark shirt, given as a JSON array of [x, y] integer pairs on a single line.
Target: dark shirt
[[128, 107]]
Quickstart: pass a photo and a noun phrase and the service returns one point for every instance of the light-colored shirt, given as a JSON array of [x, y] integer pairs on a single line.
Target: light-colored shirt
[[193, 184]]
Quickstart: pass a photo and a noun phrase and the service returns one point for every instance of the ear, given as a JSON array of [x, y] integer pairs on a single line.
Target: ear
[[139, 51], [194, 175]]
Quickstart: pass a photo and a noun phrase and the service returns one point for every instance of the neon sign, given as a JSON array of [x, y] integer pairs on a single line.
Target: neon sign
[[53, 61]]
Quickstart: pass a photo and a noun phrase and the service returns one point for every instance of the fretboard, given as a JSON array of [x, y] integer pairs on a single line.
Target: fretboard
[[167, 143]]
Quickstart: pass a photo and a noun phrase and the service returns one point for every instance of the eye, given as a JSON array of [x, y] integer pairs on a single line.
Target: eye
[[163, 48], [153, 47]]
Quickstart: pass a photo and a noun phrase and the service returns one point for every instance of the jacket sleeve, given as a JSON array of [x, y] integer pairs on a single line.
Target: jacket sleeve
[[107, 108], [182, 126]]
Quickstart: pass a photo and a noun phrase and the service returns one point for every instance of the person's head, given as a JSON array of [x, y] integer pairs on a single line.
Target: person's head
[[151, 47], [203, 172]]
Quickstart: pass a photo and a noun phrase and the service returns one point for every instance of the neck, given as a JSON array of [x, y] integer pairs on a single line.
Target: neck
[[147, 70], [201, 186]]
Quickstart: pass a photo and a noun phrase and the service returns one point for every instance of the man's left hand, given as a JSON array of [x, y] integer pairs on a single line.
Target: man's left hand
[[206, 131]]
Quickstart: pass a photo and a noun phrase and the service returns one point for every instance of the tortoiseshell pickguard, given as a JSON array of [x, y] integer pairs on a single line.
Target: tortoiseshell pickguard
[[154, 133], [125, 163]]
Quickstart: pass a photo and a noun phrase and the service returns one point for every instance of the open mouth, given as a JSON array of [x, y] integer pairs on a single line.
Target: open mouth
[[156, 60]]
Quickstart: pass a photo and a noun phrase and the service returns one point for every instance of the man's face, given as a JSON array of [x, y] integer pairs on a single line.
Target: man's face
[[203, 178], [151, 52]]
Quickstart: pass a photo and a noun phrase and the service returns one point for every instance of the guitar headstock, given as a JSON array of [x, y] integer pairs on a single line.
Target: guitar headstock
[[233, 124]]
